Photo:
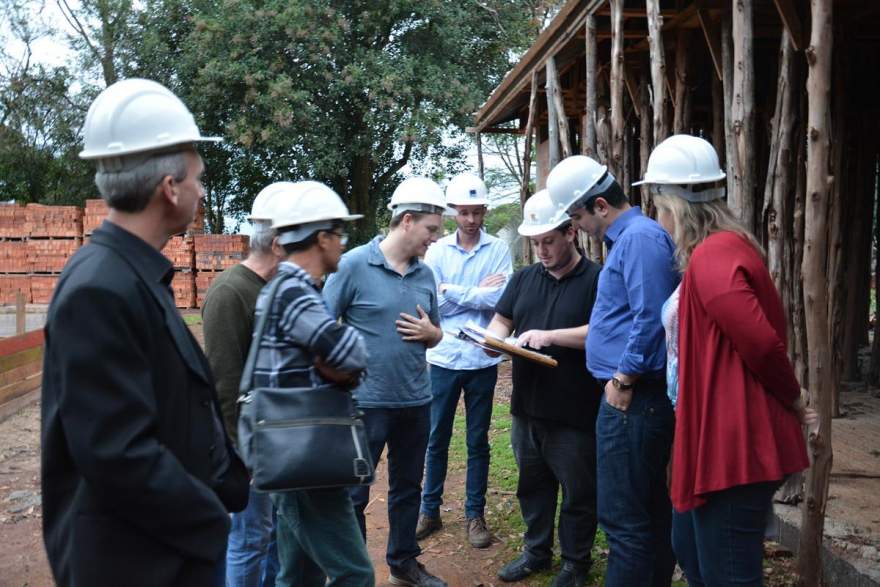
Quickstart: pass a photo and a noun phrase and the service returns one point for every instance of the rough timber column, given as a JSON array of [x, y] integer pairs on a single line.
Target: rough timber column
[[617, 122], [815, 293], [743, 114], [588, 145], [658, 70]]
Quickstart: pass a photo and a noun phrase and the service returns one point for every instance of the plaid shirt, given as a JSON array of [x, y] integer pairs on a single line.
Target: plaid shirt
[[299, 329]]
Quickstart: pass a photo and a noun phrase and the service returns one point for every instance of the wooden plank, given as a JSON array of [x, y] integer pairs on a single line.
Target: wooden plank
[[712, 34], [495, 130], [23, 386], [792, 22], [21, 372], [562, 29], [20, 358], [15, 344]]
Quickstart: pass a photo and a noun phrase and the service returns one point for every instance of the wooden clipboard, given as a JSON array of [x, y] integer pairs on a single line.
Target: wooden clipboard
[[484, 339], [512, 349]]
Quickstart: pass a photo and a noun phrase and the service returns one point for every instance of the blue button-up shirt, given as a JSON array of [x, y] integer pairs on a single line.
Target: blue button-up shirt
[[626, 334], [463, 299], [367, 293]]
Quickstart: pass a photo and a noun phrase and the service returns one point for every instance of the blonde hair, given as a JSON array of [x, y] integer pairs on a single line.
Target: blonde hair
[[695, 221]]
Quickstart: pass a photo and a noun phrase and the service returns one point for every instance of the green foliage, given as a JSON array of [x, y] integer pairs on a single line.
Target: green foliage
[[506, 215]]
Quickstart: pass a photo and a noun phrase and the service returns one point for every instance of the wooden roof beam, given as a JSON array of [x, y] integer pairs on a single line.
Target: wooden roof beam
[[634, 12], [792, 22]]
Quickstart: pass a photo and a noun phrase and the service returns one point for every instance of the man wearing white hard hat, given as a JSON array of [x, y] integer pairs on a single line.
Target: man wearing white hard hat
[[471, 268], [228, 322], [626, 352], [303, 346], [547, 305], [390, 296], [138, 473]]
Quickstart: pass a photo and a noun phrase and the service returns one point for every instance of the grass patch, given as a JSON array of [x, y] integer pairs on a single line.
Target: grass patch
[[192, 319], [502, 508]]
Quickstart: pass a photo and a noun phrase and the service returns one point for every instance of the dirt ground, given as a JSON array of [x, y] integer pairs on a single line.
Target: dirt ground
[[853, 506]]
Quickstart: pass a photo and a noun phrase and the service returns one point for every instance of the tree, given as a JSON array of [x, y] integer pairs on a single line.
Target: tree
[[349, 93]]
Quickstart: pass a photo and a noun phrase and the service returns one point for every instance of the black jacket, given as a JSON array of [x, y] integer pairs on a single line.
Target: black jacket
[[137, 471]]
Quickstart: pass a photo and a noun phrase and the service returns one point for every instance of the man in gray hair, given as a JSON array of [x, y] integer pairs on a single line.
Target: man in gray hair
[[228, 321], [138, 473]]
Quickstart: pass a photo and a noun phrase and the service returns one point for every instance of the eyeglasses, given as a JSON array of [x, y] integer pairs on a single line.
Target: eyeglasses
[[343, 236]]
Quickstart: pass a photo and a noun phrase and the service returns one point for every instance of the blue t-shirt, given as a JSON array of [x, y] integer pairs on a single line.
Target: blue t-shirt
[[368, 294]]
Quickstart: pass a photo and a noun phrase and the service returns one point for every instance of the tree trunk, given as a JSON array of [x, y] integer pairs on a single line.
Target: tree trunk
[[480, 165], [727, 75], [525, 189], [616, 89], [681, 120], [554, 94], [798, 312], [781, 163], [874, 370], [816, 302], [743, 114], [588, 143], [645, 141], [552, 115], [658, 69], [361, 200], [718, 120]]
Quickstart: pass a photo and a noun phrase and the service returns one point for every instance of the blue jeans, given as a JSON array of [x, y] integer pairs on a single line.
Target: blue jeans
[[446, 387], [319, 542], [634, 509], [721, 542], [251, 556], [405, 431], [549, 455]]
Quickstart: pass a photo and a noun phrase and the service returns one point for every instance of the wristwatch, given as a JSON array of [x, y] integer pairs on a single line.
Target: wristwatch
[[620, 385]]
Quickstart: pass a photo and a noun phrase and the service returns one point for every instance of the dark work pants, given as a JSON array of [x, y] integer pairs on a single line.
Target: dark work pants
[[721, 542], [634, 509], [405, 431], [550, 455]]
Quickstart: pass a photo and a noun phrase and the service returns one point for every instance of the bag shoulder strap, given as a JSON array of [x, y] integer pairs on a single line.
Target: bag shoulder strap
[[247, 374]]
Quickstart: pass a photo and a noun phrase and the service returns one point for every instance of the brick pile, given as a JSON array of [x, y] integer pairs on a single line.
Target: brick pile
[[36, 241], [12, 221], [94, 214]]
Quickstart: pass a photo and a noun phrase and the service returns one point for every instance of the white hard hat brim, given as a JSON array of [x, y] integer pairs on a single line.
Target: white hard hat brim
[[108, 154], [538, 229]]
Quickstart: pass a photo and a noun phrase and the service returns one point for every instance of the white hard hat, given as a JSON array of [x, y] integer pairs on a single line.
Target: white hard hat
[[684, 160], [137, 116], [417, 194], [307, 206], [540, 215], [466, 189], [575, 180], [261, 210]]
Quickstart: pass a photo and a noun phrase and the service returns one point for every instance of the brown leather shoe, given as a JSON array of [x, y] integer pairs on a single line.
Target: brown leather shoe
[[427, 526], [477, 532]]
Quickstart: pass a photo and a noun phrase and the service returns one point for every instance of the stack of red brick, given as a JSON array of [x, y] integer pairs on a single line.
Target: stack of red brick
[[36, 241]]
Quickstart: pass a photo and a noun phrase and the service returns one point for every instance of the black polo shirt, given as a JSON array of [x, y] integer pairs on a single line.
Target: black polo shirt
[[534, 299]]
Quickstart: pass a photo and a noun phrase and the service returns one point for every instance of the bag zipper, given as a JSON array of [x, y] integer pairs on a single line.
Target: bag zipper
[[307, 422]]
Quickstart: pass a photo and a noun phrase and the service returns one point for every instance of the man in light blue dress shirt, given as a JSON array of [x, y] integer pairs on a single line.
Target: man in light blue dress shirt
[[471, 268]]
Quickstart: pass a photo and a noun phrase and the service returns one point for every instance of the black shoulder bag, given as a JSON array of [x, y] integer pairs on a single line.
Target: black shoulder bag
[[299, 437]]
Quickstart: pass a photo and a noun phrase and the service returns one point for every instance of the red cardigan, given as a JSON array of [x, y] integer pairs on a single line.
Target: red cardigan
[[733, 422]]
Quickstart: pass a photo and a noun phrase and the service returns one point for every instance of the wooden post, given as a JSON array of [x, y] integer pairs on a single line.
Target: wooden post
[[798, 312], [744, 113], [781, 163], [20, 314], [658, 69], [818, 55], [681, 119], [552, 115], [525, 189], [554, 94], [480, 166], [616, 89], [588, 144], [727, 84], [645, 142], [718, 120]]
